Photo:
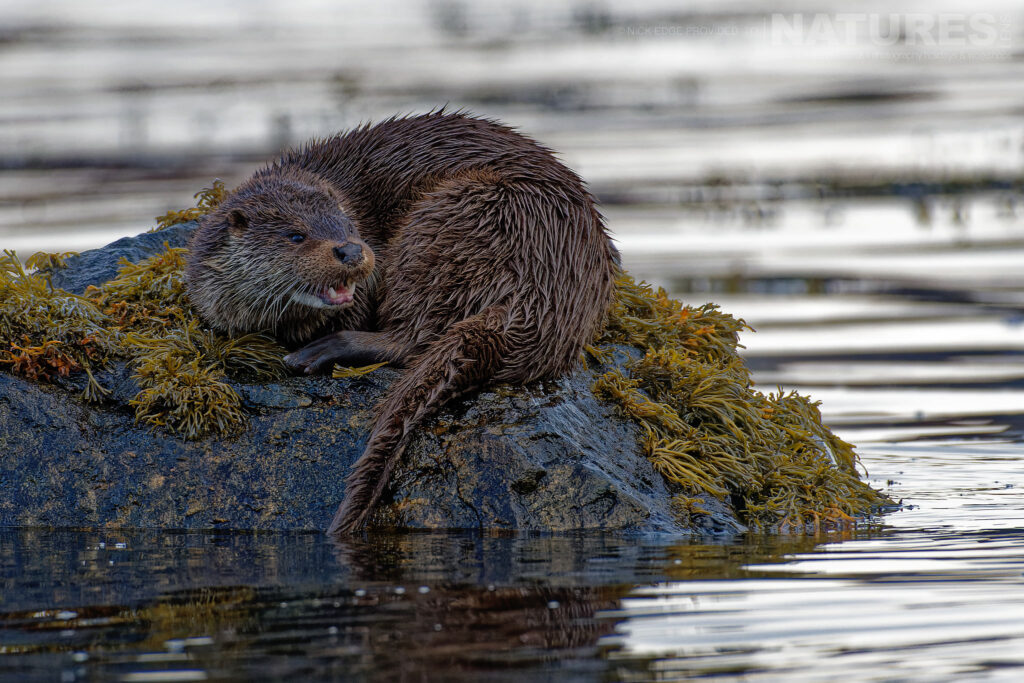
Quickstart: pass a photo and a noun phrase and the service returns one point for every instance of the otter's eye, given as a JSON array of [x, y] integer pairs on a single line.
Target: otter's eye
[[296, 237]]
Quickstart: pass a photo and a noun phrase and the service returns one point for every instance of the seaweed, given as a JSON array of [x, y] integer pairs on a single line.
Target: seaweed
[[42, 260], [47, 333], [342, 372], [185, 397], [207, 200], [707, 430], [152, 290], [253, 356]]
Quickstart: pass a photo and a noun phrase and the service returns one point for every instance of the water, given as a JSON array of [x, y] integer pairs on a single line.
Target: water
[[935, 594], [857, 201]]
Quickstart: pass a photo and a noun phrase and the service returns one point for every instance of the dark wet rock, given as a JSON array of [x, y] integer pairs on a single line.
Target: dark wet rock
[[99, 265], [544, 457]]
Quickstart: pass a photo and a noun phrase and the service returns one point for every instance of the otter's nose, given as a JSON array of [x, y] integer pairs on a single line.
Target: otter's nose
[[348, 253]]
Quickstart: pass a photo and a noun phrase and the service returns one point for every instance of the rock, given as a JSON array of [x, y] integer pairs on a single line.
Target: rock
[[544, 457], [99, 265]]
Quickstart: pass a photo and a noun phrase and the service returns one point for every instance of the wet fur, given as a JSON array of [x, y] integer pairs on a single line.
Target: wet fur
[[488, 262]]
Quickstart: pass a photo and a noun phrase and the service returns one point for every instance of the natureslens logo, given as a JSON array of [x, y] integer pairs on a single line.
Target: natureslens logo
[[952, 29]]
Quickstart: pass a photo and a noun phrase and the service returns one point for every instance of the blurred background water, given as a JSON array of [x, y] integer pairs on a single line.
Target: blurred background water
[[845, 176]]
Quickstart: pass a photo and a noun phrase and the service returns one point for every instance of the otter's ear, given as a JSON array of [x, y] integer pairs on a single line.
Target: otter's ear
[[237, 222]]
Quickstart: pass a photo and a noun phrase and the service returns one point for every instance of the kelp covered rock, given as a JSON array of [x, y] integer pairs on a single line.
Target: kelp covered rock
[[122, 409], [548, 458], [709, 431], [275, 449]]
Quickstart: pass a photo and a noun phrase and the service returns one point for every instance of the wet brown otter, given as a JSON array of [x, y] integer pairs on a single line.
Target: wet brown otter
[[445, 243]]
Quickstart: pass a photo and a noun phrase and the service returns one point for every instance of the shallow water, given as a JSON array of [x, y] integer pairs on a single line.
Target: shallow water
[[858, 204], [935, 594]]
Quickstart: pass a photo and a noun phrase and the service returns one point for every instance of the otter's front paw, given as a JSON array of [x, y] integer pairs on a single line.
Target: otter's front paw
[[317, 357]]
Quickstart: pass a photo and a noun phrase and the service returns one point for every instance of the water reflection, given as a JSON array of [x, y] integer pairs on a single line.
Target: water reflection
[[244, 605], [823, 629], [148, 606], [913, 605], [937, 594]]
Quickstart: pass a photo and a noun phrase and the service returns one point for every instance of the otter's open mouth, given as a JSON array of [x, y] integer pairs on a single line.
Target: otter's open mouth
[[338, 297], [328, 297]]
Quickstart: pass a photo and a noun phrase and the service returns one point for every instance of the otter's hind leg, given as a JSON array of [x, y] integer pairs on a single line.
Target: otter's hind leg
[[455, 254], [347, 347]]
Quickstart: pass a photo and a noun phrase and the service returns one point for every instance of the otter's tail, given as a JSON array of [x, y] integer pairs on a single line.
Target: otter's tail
[[464, 358]]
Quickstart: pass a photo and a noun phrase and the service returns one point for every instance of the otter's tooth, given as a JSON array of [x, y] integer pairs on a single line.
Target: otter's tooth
[[332, 293]]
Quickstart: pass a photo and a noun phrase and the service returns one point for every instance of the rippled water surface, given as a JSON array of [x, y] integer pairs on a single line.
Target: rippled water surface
[[857, 201], [935, 594]]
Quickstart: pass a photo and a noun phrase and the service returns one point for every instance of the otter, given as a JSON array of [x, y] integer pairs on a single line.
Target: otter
[[445, 244]]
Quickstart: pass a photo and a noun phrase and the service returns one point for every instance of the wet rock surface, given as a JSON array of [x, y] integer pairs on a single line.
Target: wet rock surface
[[548, 456], [99, 265]]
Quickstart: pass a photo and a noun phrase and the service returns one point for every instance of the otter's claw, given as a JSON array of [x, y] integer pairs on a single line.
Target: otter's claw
[[347, 347], [317, 357]]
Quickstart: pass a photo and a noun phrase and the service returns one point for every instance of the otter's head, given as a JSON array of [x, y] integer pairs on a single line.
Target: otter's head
[[279, 255]]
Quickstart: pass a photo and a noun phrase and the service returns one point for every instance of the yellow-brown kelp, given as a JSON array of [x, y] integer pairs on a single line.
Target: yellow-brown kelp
[[207, 200], [707, 430], [48, 333], [143, 317]]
